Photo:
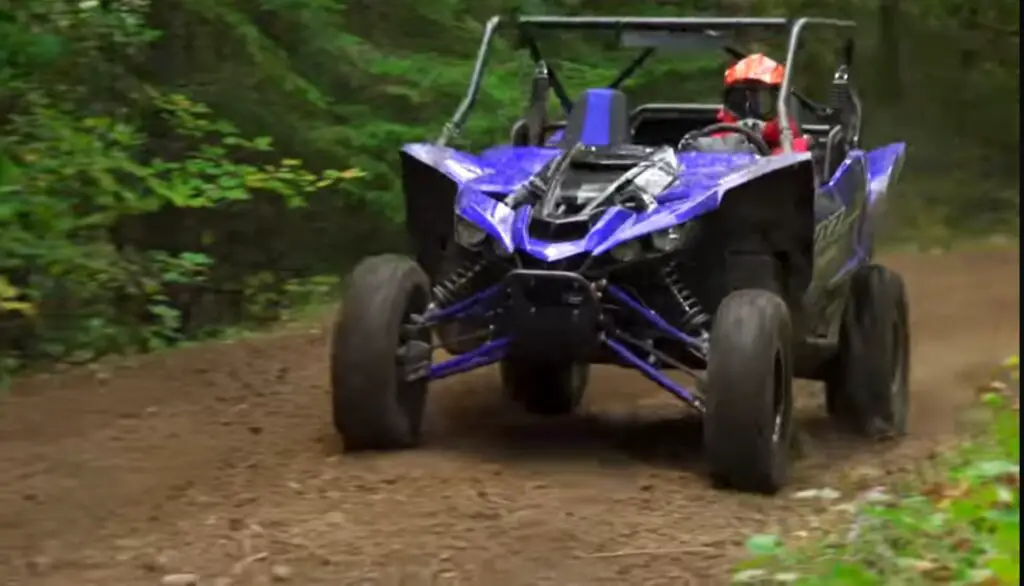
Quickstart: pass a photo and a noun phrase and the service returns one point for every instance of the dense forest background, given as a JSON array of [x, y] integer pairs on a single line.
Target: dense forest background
[[172, 168]]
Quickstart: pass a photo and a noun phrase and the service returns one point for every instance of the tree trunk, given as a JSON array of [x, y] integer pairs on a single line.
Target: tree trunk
[[890, 62]]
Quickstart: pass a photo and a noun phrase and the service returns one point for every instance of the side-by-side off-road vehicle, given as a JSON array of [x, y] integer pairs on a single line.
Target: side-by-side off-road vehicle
[[623, 236]]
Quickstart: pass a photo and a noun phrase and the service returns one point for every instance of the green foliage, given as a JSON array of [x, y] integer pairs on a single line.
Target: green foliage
[[963, 528], [70, 287]]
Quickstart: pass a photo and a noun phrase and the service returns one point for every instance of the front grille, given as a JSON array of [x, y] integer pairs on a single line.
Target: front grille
[[554, 231], [572, 264]]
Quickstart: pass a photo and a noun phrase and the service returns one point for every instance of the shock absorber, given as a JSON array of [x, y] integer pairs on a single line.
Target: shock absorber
[[456, 284], [693, 316]]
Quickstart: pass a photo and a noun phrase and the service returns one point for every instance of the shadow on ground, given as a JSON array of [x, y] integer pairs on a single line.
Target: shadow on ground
[[481, 424]]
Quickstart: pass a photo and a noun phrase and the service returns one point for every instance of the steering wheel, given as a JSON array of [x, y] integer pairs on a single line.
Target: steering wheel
[[750, 134]]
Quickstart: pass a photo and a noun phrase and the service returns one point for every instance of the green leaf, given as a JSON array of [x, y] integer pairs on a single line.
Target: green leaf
[[751, 576], [848, 574], [262, 143], [1008, 570], [764, 544], [230, 182], [991, 469]]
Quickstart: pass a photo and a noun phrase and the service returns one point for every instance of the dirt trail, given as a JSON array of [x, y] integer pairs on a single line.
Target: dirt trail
[[195, 460]]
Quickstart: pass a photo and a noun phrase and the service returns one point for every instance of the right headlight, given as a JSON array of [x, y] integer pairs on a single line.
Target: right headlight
[[627, 251]]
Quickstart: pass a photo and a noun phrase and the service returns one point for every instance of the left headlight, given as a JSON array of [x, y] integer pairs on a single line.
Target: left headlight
[[468, 234], [673, 238], [667, 240], [627, 251]]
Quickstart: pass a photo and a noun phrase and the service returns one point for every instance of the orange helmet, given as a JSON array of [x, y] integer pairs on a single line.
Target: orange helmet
[[755, 67]]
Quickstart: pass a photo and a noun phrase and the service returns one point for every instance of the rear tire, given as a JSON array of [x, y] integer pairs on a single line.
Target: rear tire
[[748, 426], [868, 389], [545, 388], [374, 407]]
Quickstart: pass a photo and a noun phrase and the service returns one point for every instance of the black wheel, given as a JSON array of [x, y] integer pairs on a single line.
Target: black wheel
[[374, 354], [867, 390], [545, 388], [748, 426]]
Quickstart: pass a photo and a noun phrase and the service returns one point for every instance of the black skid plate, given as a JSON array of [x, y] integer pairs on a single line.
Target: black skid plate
[[553, 315]]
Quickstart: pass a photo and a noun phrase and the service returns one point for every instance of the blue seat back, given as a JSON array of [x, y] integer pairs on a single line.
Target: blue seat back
[[600, 117]]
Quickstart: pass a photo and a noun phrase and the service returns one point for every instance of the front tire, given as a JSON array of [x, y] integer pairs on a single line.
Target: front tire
[[545, 388], [374, 406], [868, 389], [748, 426]]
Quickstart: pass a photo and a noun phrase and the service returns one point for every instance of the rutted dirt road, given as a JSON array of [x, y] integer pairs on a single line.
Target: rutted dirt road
[[219, 460]]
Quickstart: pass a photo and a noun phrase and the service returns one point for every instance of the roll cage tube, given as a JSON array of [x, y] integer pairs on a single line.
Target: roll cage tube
[[786, 133], [556, 82], [708, 25], [630, 69], [454, 126]]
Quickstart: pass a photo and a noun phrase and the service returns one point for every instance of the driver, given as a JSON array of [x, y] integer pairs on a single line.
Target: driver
[[751, 95]]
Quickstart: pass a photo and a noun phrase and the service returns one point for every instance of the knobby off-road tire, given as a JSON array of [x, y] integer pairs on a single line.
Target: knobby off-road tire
[[545, 388], [748, 426], [374, 408], [867, 391]]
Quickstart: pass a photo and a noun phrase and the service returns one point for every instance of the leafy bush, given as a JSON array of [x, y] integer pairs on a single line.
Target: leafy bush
[[73, 178], [963, 528], [71, 181]]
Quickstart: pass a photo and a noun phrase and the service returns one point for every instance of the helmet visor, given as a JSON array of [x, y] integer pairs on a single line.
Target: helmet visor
[[751, 100]]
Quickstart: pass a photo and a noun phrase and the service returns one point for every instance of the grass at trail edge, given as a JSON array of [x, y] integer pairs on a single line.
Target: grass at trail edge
[[958, 524]]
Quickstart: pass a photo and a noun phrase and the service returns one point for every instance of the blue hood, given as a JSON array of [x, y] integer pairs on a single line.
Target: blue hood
[[486, 179]]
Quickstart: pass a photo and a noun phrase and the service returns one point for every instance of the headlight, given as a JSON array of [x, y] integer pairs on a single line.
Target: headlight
[[500, 249], [627, 251], [468, 234], [673, 238], [667, 240]]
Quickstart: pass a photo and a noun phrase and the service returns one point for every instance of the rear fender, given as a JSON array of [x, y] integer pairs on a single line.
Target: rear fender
[[431, 177], [884, 165]]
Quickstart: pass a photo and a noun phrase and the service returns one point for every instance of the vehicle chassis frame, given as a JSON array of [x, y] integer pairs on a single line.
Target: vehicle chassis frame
[[618, 342]]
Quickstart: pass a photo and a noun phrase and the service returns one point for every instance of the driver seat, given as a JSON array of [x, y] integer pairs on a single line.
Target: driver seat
[[600, 117]]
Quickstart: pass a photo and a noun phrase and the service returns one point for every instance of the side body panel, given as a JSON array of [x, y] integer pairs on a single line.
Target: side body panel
[[839, 246], [884, 165], [846, 214]]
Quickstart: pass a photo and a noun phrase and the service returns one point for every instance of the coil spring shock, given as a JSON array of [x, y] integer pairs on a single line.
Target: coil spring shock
[[693, 315], [457, 283]]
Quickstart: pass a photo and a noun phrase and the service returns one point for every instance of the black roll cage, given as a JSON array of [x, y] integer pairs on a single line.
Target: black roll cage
[[709, 26]]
